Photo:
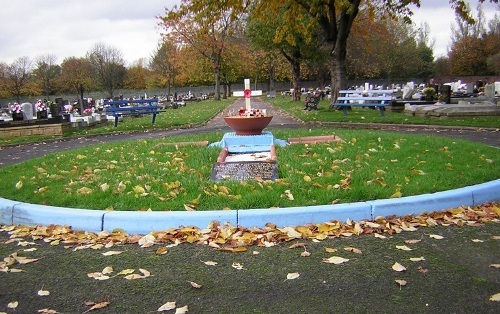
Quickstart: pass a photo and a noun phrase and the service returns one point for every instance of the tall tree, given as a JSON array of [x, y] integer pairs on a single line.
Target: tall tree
[[136, 76], [108, 66], [46, 71], [274, 27], [204, 25], [164, 64], [76, 74], [336, 18], [17, 76]]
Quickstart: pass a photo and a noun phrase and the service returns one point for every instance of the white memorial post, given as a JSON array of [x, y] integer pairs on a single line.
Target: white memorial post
[[247, 93]]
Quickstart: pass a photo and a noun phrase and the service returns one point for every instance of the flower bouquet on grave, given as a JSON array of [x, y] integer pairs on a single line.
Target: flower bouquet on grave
[[41, 110], [88, 111], [17, 112]]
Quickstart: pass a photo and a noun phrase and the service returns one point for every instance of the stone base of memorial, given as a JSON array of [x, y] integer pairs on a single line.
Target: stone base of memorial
[[17, 116], [41, 115], [243, 125], [246, 157]]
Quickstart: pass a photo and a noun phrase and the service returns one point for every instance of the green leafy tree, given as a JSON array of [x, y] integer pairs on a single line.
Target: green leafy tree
[[287, 30]]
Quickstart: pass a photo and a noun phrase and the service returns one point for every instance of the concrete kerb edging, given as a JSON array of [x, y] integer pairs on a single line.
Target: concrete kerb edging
[[133, 222]]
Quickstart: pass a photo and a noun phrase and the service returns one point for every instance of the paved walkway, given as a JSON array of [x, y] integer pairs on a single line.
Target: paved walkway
[[15, 154]]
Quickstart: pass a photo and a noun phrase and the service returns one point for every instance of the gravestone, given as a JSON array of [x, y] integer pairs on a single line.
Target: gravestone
[[408, 90], [27, 111], [497, 88], [489, 91], [445, 91], [470, 88]]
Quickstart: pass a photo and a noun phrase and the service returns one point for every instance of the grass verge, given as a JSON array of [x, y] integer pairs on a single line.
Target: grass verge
[[367, 115], [152, 175]]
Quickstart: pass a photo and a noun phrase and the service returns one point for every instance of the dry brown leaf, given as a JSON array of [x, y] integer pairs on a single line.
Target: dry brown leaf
[[421, 269], [181, 310], [305, 254], [330, 250], [291, 276], [161, 251], [495, 265], [353, 249], [47, 311], [398, 267], [335, 260], [401, 283], [145, 273], [167, 306], [376, 235], [210, 263], [412, 241], [109, 253], [13, 305], [403, 248], [126, 271], [195, 285], [297, 245], [417, 259], [436, 236], [43, 293], [495, 297], [97, 306], [133, 277], [238, 266]]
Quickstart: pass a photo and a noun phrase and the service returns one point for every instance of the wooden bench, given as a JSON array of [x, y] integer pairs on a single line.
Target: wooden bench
[[118, 108], [369, 98]]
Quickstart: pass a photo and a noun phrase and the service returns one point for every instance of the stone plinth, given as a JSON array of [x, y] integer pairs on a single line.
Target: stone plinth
[[32, 130]]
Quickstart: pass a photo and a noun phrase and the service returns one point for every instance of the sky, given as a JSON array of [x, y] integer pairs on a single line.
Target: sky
[[70, 28]]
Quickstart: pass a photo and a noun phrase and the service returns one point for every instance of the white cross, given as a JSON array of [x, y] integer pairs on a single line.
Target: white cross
[[247, 93]]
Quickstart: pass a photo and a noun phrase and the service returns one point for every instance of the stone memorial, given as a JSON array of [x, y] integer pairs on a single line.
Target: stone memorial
[[489, 91], [408, 90], [470, 88], [27, 111]]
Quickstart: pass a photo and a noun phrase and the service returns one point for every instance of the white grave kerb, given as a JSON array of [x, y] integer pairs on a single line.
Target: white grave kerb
[[247, 93]]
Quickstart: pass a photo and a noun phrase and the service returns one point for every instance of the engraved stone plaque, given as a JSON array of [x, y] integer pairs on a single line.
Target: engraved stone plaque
[[240, 171]]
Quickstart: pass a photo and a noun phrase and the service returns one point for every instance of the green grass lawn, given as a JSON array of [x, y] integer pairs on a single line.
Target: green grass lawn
[[151, 175], [367, 115]]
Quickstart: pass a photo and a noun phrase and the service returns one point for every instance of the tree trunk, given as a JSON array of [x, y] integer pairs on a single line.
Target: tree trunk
[[272, 73], [295, 80], [217, 83]]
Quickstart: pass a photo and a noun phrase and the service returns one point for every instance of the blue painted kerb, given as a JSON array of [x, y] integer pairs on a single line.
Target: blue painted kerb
[[134, 222]]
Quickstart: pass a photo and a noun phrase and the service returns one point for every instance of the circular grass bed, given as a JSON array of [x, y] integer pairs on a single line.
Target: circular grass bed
[[155, 175]]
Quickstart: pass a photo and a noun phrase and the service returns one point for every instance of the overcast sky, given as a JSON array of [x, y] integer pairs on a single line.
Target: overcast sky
[[70, 28]]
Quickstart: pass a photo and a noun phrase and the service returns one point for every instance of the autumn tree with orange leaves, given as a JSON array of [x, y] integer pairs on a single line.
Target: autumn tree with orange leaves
[[205, 26]]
